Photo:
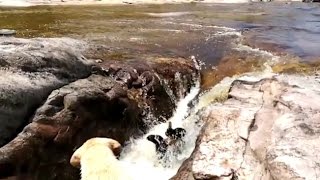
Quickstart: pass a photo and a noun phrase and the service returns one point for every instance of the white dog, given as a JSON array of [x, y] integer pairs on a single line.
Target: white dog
[[97, 160]]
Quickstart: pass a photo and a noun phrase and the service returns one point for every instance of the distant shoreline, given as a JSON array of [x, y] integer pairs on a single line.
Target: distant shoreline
[[26, 3]]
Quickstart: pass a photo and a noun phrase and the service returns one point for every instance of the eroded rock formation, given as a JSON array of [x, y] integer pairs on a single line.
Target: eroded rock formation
[[29, 71], [267, 129], [113, 99]]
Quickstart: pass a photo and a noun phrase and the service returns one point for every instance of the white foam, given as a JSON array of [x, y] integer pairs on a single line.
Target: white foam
[[140, 153], [168, 14], [273, 58]]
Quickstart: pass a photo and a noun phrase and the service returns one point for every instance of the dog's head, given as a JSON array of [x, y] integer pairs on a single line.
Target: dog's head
[[112, 144], [175, 134], [156, 139]]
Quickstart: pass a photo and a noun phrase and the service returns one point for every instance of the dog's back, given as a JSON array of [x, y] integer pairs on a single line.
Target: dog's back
[[177, 133]]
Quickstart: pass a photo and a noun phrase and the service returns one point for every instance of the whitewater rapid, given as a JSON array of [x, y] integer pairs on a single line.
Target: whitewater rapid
[[140, 155]]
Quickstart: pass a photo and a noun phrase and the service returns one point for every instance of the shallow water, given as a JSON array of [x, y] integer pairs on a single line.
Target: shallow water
[[185, 29], [216, 34], [228, 39]]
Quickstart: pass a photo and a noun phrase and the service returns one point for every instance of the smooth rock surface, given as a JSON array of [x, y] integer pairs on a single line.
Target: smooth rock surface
[[29, 70], [267, 129]]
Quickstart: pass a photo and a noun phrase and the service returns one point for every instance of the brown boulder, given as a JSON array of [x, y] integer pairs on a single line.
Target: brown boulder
[[30, 69]]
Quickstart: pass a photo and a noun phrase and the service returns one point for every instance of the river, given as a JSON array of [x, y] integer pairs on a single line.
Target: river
[[228, 39], [234, 37]]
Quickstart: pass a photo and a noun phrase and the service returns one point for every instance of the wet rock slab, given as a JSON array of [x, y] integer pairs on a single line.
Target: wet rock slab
[[57, 99], [29, 70], [267, 129]]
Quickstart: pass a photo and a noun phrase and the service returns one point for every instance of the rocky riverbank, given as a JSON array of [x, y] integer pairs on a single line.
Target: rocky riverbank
[[53, 99], [105, 2], [114, 2], [268, 128]]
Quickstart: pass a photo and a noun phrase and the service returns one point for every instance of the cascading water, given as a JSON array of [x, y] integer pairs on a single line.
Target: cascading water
[[140, 154]]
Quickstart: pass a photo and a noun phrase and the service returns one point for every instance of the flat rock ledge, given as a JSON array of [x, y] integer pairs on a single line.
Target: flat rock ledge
[[268, 129], [53, 99], [30, 69]]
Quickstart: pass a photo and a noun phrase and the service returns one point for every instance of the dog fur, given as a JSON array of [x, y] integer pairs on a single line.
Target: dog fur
[[175, 138], [97, 159]]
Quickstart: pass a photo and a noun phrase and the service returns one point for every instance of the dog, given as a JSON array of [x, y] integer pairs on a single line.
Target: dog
[[175, 134], [97, 159], [175, 137], [160, 143]]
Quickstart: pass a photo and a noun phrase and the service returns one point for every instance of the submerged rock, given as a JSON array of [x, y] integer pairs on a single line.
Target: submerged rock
[[119, 99], [267, 129]]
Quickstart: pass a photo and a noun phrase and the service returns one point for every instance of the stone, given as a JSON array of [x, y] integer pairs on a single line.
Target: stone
[[119, 100], [30, 69], [267, 129]]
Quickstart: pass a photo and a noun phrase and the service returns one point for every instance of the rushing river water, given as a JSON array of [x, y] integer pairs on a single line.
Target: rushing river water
[[140, 156], [233, 37], [228, 39], [172, 29]]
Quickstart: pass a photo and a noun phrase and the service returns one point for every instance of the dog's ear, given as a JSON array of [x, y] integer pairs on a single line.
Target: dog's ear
[[169, 130], [76, 158], [116, 147]]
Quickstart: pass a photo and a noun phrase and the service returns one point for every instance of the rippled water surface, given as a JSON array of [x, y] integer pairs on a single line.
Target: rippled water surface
[[228, 39], [225, 35]]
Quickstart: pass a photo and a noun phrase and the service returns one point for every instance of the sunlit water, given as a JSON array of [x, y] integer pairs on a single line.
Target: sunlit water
[[135, 30], [14, 3], [210, 32]]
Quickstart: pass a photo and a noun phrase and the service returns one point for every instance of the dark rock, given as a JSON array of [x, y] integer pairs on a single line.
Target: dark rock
[[29, 70], [310, 1], [120, 100]]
